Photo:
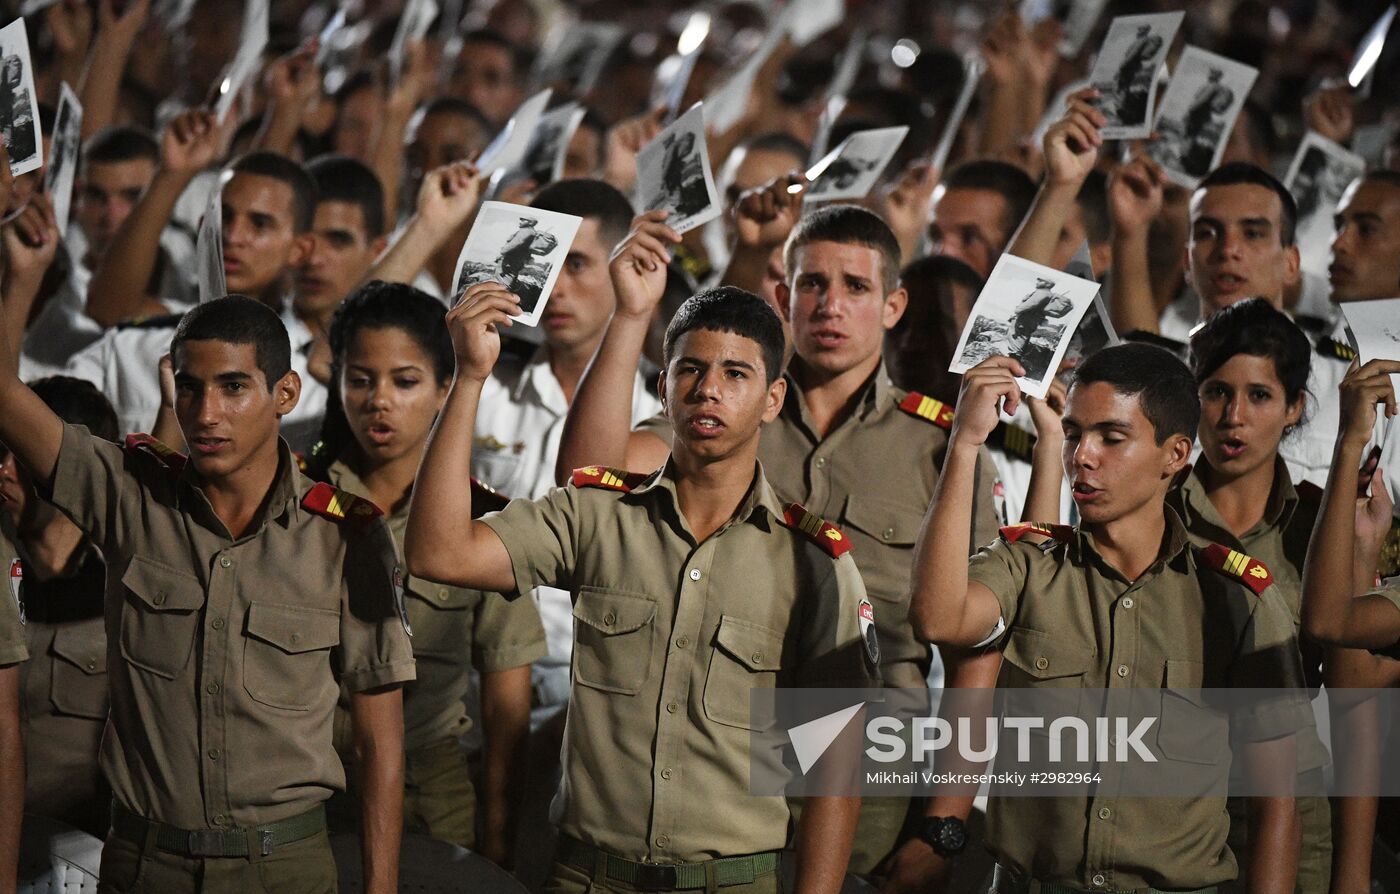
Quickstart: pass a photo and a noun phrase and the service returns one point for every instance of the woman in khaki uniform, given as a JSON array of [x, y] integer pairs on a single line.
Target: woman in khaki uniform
[[392, 363], [59, 578]]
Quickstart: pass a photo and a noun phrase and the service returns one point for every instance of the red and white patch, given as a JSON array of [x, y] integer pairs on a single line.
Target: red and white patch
[[16, 580], [866, 612]]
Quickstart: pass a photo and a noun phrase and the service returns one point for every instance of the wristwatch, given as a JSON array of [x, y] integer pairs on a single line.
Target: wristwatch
[[945, 834]]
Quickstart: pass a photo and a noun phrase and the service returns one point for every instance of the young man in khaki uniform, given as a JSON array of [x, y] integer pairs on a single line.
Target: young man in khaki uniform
[[239, 596], [692, 586], [1121, 601], [847, 443]]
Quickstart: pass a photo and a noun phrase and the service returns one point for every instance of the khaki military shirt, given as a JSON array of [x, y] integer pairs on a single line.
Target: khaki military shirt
[[1075, 621], [670, 637], [1389, 590], [455, 629], [225, 656], [12, 643], [873, 476]]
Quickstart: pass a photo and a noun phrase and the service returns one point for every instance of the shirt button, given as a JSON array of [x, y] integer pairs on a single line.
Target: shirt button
[[756, 657], [225, 561], [1113, 740], [212, 688], [214, 754], [662, 841], [1122, 670], [695, 574], [672, 707], [1105, 813], [218, 624], [666, 773], [296, 637], [821, 462], [91, 665], [682, 642], [609, 619], [441, 593], [1127, 602], [1042, 663], [887, 534], [1098, 879], [160, 599], [220, 820]]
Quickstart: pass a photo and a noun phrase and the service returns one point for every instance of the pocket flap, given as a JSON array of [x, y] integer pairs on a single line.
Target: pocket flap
[[611, 612], [439, 595], [893, 523], [162, 588], [1184, 678], [294, 628], [755, 647], [1042, 656], [82, 648]]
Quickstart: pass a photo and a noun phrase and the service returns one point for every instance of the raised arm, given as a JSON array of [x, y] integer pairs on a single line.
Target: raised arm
[[1047, 466], [1134, 199], [443, 542], [597, 430], [1332, 614], [446, 200], [191, 142], [763, 218], [946, 607], [1071, 150], [31, 242], [102, 83], [400, 102], [293, 83]]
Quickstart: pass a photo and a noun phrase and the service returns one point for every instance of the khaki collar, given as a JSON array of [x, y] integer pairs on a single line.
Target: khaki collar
[[1173, 551], [877, 391], [1196, 507], [283, 504], [760, 498]]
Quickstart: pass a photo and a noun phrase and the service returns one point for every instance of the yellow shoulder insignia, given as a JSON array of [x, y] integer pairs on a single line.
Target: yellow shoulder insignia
[[609, 479], [340, 505], [928, 409], [167, 455], [1231, 563], [821, 532], [1013, 533]]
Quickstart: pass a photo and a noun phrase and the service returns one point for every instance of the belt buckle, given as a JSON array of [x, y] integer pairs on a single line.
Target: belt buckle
[[206, 843], [265, 840], [656, 877]]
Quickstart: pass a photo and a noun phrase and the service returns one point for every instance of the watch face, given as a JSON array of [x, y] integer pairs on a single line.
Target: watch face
[[946, 834]]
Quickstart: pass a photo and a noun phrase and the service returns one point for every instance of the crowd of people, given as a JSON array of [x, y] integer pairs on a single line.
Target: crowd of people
[[345, 549]]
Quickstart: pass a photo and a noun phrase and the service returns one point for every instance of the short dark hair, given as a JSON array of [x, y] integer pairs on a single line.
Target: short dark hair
[[452, 105], [920, 345], [1005, 179], [591, 199], [1382, 175], [340, 178], [1162, 383], [1237, 173], [849, 225], [731, 309], [78, 402], [519, 58], [113, 145], [239, 320], [1254, 327], [1093, 206], [283, 169], [777, 141]]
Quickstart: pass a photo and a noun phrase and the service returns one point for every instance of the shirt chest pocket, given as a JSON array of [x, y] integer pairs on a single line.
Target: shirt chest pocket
[[286, 654], [613, 635], [746, 657], [1190, 729], [160, 618], [881, 530], [78, 687], [441, 616], [1050, 665]]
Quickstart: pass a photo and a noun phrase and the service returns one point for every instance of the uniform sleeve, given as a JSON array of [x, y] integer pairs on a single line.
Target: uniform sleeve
[[1390, 592], [93, 487], [1268, 660], [1002, 568], [507, 633], [374, 646], [542, 539], [985, 521], [657, 425], [840, 648], [13, 649]]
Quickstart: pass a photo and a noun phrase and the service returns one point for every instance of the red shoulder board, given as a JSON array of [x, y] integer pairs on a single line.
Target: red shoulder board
[[339, 505], [486, 498], [609, 479], [928, 409], [1013, 533], [1248, 571], [168, 456], [821, 532]]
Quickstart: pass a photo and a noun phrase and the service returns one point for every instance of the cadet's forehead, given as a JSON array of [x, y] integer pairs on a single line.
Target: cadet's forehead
[[717, 346], [1096, 403], [206, 358], [1372, 196], [255, 192], [829, 257], [1237, 200]]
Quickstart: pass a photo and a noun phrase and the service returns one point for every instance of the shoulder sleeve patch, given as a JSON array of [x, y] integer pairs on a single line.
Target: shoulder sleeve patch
[[165, 454], [928, 409], [339, 505], [486, 498], [1248, 571], [1013, 533], [609, 479], [821, 532], [1330, 347]]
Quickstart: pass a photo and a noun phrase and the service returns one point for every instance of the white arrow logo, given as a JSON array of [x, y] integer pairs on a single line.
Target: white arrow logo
[[810, 740]]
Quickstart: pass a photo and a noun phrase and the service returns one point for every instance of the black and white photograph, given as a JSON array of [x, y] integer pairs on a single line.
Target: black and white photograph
[[853, 168], [209, 247], [807, 20], [1028, 312], [725, 105], [64, 145], [973, 66], [1126, 70], [575, 54], [673, 173], [1375, 332], [549, 145], [1198, 111], [508, 148], [247, 61], [1077, 17], [1320, 172], [520, 247], [417, 18], [19, 105]]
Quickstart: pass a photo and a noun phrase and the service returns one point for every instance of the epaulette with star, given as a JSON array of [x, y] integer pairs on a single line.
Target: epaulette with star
[[820, 531], [165, 454], [339, 505], [928, 409], [1247, 570], [486, 498], [609, 479], [1013, 441], [1013, 533], [1337, 350]]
